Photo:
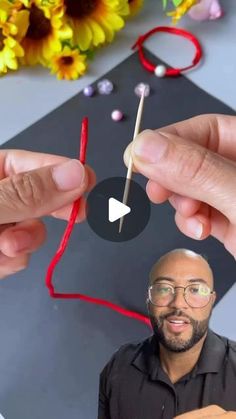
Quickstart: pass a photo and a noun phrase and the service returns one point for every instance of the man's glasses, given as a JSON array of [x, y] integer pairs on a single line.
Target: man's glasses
[[195, 295]]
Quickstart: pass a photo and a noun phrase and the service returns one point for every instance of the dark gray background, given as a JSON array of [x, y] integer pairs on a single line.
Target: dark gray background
[[52, 351]]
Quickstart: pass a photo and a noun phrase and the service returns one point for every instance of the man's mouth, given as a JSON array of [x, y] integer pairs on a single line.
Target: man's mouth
[[177, 320], [177, 324]]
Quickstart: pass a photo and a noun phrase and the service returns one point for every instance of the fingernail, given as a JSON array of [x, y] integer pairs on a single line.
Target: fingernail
[[149, 146], [21, 241], [196, 228], [69, 175]]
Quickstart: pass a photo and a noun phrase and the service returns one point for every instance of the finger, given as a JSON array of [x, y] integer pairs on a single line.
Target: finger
[[187, 169], [18, 161], [41, 191], [156, 193], [65, 212], [197, 227], [127, 156], [213, 131], [202, 413], [10, 266], [210, 131], [24, 237], [5, 226], [184, 205]]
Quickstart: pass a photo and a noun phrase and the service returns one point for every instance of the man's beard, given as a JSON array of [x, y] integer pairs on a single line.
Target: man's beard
[[176, 344]]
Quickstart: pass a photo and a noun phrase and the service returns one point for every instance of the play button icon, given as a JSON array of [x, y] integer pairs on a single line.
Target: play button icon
[[117, 210], [105, 209]]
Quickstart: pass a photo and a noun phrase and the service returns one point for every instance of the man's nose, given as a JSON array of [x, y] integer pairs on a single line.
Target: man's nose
[[179, 300]]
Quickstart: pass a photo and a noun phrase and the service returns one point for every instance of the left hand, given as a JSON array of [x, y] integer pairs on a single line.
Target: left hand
[[212, 411], [33, 185]]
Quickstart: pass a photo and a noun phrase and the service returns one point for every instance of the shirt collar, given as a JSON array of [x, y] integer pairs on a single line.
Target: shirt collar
[[212, 354], [213, 351], [146, 359]]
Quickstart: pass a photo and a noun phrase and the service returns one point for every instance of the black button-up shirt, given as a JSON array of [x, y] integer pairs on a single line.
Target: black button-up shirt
[[133, 384]]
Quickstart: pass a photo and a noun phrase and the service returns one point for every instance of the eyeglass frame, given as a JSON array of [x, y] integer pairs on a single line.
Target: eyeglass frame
[[174, 294]]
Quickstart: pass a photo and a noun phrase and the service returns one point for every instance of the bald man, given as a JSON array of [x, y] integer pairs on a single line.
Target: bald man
[[184, 368]]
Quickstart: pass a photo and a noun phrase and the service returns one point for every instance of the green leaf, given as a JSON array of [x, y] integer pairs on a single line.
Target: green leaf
[[177, 3], [164, 4], [90, 54]]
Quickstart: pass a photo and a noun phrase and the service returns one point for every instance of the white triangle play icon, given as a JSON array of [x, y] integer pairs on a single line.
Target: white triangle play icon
[[116, 210]]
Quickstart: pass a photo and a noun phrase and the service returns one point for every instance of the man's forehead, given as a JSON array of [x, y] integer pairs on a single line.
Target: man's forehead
[[182, 265]]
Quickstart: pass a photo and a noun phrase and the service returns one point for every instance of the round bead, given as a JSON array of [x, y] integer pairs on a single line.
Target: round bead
[[139, 89], [105, 87], [160, 71], [117, 115], [88, 91]]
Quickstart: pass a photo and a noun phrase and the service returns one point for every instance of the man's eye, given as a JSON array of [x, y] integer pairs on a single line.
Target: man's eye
[[194, 290], [164, 290]]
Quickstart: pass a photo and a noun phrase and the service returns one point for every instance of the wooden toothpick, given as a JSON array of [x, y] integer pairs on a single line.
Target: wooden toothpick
[[130, 166]]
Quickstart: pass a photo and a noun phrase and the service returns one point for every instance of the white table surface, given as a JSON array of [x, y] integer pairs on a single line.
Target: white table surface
[[31, 93]]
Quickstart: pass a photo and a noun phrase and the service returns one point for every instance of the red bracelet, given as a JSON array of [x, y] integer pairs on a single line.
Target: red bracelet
[[161, 70]]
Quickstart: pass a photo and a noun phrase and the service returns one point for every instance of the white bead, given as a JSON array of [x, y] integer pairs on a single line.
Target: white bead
[[160, 71]]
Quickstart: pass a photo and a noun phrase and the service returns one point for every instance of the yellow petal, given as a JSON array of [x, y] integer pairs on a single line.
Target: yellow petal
[[18, 50], [12, 63], [98, 33], [84, 36], [10, 42], [65, 32], [21, 21]]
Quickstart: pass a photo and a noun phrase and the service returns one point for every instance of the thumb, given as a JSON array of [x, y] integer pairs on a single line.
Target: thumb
[[186, 168], [39, 192]]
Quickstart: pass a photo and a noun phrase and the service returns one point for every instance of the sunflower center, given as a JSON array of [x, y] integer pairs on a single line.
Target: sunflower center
[[39, 25], [1, 40], [80, 8], [66, 60]]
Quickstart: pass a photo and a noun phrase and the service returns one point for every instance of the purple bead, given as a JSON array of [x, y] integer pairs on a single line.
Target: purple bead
[[139, 89], [117, 115], [105, 87], [88, 91]]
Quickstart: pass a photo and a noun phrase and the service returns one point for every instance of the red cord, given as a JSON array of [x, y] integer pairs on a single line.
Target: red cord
[[170, 72], [64, 242]]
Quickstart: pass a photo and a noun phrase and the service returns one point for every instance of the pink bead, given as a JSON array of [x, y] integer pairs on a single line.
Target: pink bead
[[117, 115]]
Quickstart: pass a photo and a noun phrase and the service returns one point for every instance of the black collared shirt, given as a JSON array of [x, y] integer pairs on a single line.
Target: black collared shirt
[[133, 384]]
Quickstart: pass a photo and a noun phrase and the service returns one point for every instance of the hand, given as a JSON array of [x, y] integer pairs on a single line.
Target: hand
[[33, 185], [193, 165], [212, 411]]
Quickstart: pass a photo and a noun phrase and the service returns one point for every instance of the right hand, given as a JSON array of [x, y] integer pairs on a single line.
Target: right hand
[[208, 412], [193, 164]]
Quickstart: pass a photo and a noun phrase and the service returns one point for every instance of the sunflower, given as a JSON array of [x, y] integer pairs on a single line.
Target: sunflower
[[42, 35], [10, 49], [135, 6], [68, 64], [181, 10], [5, 8], [94, 22]]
